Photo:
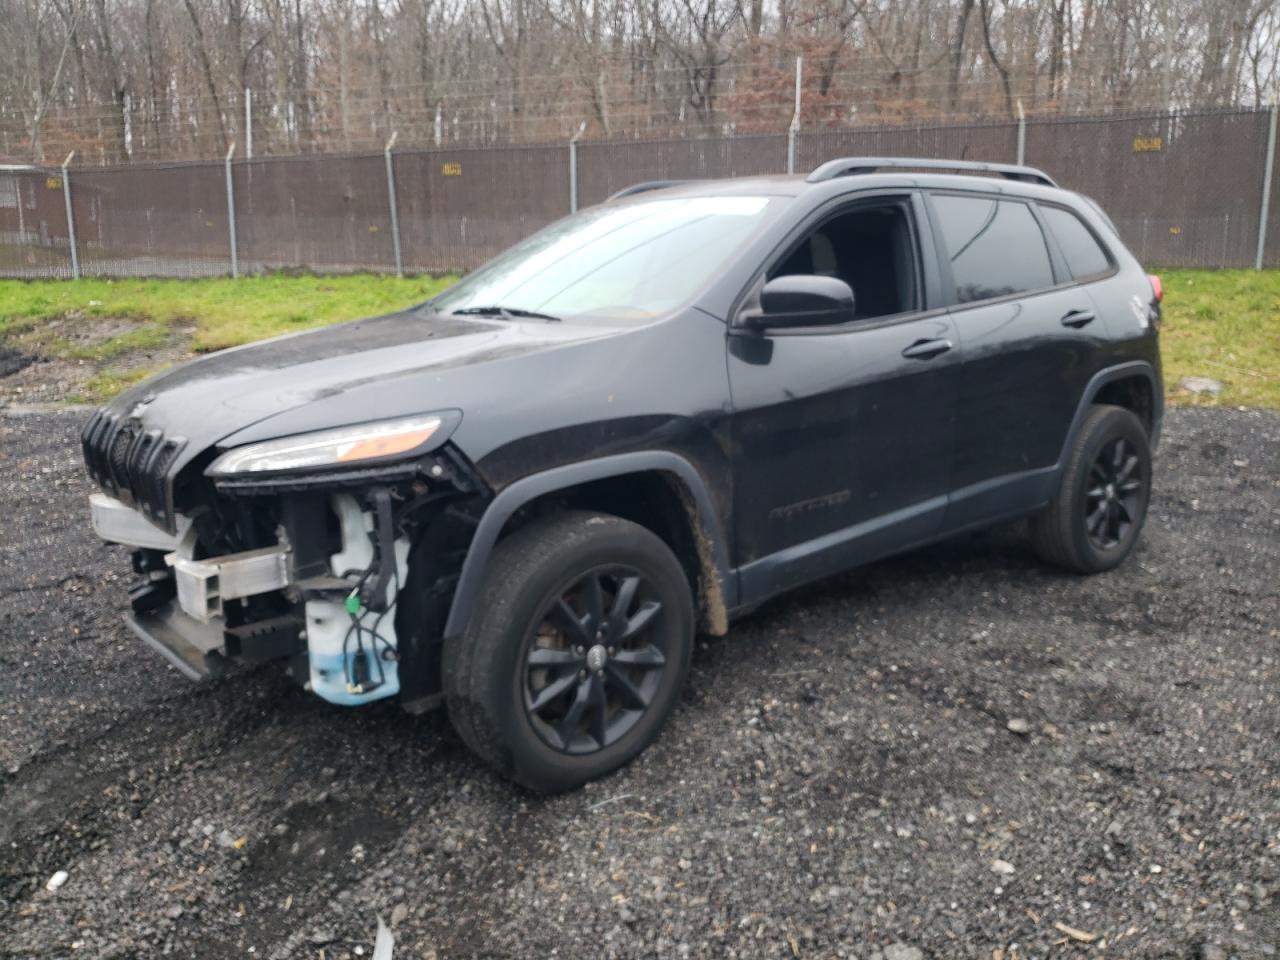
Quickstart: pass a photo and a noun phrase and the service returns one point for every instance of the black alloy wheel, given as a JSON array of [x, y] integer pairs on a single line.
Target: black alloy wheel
[[1094, 520], [577, 650], [1112, 498], [595, 661]]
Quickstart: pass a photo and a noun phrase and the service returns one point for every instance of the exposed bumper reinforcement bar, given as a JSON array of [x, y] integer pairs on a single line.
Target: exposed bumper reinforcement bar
[[203, 585], [190, 646]]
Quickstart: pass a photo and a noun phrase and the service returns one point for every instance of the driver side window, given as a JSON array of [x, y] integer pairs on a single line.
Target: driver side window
[[869, 247]]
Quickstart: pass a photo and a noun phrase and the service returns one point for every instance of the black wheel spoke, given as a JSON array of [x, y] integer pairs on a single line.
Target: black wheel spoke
[[593, 596], [552, 691], [641, 619], [625, 596], [647, 658], [632, 697], [1096, 518], [599, 719], [570, 624], [550, 658], [567, 728], [1126, 471]]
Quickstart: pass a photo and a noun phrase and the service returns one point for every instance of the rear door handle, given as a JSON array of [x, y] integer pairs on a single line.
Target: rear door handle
[[1078, 318], [927, 349]]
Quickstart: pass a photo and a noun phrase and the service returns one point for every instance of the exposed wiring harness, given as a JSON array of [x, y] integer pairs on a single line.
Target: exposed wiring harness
[[359, 604]]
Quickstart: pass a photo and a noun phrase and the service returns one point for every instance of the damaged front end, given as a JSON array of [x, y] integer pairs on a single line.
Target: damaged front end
[[337, 552]]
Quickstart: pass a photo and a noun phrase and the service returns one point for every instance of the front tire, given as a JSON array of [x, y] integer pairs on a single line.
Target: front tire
[[576, 654], [1093, 522]]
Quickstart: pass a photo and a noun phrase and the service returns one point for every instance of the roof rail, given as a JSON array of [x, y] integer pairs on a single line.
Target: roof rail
[[850, 166], [645, 187]]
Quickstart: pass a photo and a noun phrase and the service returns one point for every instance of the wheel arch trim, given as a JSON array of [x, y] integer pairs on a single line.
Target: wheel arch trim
[[1121, 371], [529, 488]]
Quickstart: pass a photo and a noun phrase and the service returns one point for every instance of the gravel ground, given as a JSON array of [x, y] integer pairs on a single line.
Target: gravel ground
[[956, 753]]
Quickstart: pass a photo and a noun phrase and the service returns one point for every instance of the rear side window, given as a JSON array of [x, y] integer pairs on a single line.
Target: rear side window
[[996, 247], [1085, 257]]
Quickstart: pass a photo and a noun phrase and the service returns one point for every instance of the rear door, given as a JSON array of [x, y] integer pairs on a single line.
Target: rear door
[[1031, 337]]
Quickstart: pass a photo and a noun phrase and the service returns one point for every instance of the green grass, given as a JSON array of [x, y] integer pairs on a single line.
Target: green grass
[[226, 313], [1223, 324], [107, 383]]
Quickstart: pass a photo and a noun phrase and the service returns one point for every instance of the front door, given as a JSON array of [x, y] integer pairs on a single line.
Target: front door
[[842, 436]]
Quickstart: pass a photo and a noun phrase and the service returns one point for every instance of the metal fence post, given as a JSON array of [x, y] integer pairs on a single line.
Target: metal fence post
[[794, 129], [248, 124], [231, 214], [391, 203], [1267, 173], [71, 217], [1022, 135], [573, 167]]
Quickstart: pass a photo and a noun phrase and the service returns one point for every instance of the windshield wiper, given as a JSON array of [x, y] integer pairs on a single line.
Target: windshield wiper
[[505, 312]]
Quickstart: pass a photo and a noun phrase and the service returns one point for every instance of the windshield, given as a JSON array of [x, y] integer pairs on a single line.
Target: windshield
[[627, 262]]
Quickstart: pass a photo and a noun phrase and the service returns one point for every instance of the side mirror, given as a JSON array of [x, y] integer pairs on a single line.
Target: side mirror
[[803, 300]]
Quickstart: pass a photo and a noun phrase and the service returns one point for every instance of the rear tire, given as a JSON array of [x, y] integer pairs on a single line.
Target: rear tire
[[1094, 520], [577, 651]]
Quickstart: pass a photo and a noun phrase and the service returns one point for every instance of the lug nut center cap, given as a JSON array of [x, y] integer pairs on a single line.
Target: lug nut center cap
[[597, 657], [1111, 491]]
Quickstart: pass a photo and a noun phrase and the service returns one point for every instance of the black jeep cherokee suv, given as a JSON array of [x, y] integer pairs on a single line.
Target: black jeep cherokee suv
[[522, 498]]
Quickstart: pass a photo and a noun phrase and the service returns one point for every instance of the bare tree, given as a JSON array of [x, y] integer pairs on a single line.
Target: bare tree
[[144, 78]]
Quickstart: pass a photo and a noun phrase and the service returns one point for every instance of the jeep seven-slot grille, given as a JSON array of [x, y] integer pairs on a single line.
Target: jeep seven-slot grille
[[131, 463]]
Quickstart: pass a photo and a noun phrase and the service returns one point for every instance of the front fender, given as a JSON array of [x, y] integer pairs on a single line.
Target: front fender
[[524, 491]]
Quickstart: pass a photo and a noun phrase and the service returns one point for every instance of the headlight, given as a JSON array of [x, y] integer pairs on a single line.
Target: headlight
[[329, 448]]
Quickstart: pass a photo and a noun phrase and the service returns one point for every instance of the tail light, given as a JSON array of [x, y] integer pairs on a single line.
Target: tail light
[[1157, 288]]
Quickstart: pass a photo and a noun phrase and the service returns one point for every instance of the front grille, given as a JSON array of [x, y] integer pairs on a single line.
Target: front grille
[[132, 464]]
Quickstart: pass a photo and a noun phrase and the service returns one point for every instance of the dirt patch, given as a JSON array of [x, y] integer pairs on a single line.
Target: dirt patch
[[75, 329], [12, 361], [55, 362]]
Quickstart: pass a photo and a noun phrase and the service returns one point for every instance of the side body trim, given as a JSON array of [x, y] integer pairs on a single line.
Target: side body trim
[[528, 488], [840, 550]]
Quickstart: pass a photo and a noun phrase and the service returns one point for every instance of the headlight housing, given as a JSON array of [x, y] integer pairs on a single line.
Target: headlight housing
[[339, 447]]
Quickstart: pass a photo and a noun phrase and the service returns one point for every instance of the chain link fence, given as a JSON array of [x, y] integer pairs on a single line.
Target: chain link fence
[[1184, 189]]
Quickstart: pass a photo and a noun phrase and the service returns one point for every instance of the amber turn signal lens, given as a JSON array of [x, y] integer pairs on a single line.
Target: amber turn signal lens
[[384, 446]]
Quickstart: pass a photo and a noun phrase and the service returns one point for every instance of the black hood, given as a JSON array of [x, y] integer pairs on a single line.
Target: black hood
[[341, 370]]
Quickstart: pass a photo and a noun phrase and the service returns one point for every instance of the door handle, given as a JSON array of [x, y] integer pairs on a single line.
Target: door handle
[[1078, 318], [927, 349]]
